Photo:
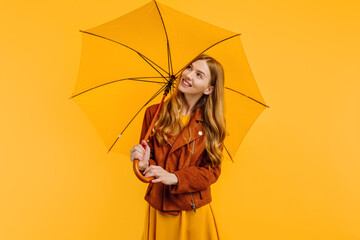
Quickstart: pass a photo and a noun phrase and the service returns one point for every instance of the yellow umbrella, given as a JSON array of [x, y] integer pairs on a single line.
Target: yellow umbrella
[[127, 63]]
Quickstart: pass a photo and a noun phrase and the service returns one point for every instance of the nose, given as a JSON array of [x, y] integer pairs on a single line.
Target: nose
[[189, 74]]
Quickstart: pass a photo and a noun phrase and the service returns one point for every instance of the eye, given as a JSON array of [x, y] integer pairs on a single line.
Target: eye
[[200, 75], [189, 66]]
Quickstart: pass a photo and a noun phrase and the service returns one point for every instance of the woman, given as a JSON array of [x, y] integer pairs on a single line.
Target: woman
[[184, 155]]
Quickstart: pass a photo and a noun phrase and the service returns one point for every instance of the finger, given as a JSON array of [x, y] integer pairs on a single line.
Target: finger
[[137, 156], [139, 148], [144, 143], [135, 148], [146, 146], [156, 180], [148, 169], [152, 173]]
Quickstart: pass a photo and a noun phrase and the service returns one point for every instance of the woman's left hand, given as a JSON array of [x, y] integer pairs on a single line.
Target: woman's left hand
[[161, 175]]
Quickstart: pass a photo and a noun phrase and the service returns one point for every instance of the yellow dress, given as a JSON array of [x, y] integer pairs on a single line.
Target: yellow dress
[[188, 225]]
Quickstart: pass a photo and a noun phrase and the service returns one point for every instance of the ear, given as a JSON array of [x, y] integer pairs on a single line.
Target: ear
[[209, 90]]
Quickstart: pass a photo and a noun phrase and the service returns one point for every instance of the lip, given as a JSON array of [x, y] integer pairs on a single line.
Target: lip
[[182, 83]]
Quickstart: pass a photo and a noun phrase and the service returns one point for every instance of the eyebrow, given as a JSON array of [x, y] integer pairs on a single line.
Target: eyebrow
[[198, 70]]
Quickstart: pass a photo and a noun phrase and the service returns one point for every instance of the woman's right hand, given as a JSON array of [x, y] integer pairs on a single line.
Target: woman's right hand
[[142, 153]]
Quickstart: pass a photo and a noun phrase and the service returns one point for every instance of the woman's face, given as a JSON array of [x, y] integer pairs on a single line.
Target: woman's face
[[195, 79]]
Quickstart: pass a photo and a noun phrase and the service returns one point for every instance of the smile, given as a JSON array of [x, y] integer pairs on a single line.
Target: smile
[[185, 83]]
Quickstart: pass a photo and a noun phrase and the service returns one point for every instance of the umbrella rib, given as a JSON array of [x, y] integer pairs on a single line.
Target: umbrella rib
[[153, 67], [167, 41], [137, 79], [143, 56], [246, 96], [228, 153], [208, 49], [169, 59], [154, 96]]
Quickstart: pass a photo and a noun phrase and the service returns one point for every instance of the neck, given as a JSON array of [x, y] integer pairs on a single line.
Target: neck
[[190, 101]]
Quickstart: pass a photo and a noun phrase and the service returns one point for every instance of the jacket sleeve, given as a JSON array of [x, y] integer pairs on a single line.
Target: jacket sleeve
[[146, 123], [195, 178]]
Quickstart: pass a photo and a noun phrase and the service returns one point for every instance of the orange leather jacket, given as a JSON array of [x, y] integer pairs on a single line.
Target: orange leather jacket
[[185, 156]]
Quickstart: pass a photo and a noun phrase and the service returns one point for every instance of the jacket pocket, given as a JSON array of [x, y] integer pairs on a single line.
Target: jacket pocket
[[200, 195]]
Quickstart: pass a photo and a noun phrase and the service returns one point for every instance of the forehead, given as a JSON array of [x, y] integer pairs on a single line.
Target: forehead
[[202, 66]]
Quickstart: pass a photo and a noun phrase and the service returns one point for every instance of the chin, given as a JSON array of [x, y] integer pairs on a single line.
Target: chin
[[180, 89]]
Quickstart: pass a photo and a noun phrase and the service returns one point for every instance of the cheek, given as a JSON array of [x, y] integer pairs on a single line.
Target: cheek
[[200, 85], [184, 72]]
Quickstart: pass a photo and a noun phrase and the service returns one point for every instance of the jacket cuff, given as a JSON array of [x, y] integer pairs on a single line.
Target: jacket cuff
[[183, 185], [174, 189], [193, 179]]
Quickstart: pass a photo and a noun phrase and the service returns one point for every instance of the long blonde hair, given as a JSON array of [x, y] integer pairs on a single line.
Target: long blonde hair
[[212, 108]]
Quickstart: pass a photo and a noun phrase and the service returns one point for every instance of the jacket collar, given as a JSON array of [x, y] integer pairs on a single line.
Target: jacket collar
[[194, 126], [198, 115]]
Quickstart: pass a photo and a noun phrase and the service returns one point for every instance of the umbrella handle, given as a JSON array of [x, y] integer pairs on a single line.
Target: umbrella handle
[[136, 161], [137, 172]]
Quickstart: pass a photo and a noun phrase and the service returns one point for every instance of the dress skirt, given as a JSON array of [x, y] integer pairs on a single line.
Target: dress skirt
[[187, 225]]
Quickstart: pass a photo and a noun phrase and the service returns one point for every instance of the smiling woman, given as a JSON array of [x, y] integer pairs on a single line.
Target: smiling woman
[[195, 81], [184, 154]]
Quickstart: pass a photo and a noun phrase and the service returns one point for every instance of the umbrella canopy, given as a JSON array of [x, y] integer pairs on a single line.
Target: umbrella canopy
[[126, 64]]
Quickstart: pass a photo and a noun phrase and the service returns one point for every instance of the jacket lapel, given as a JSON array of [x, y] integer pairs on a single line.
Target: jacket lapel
[[184, 137]]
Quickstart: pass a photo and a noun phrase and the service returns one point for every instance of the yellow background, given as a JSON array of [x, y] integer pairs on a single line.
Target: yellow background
[[296, 174]]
